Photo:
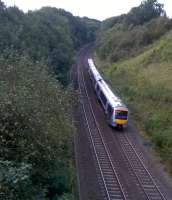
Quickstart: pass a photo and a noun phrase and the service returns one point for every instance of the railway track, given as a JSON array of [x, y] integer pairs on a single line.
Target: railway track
[[113, 189], [144, 177]]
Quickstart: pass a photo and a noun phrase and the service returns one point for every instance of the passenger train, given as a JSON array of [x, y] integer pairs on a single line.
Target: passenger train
[[115, 109]]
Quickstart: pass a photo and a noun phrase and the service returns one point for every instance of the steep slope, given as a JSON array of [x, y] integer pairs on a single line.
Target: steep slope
[[145, 82], [127, 35], [122, 41]]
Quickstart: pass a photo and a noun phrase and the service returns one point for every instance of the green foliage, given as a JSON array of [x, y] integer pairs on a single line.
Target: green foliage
[[163, 142], [15, 179], [49, 34], [127, 35], [83, 30], [66, 197], [34, 129], [118, 43], [144, 81], [148, 10], [112, 22], [36, 50]]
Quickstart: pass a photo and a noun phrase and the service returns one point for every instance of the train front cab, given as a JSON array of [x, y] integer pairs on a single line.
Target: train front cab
[[120, 117], [117, 117]]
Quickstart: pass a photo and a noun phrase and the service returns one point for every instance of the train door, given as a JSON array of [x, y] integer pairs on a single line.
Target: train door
[[103, 99], [109, 114], [106, 109], [89, 71], [97, 88]]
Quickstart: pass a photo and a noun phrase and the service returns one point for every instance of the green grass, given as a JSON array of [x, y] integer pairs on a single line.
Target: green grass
[[145, 84]]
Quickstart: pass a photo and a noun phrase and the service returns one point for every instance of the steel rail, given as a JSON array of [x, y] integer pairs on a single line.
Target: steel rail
[[144, 167], [147, 192], [150, 189], [99, 166], [103, 143]]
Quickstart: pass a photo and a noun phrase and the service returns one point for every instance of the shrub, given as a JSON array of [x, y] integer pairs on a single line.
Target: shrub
[[34, 128]]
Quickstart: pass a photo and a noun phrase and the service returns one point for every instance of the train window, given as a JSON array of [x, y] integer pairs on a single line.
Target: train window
[[110, 109], [92, 76], [120, 114], [103, 98], [97, 87]]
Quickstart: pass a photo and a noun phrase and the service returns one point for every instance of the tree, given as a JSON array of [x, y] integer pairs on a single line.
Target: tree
[[2, 5], [148, 10]]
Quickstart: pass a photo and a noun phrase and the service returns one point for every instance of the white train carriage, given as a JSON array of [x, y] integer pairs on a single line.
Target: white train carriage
[[94, 74], [116, 111]]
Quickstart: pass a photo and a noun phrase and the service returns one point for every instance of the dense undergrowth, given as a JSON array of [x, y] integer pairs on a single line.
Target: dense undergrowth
[[36, 53], [49, 35], [35, 131], [144, 82], [124, 42], [129, 34], [137, 60]]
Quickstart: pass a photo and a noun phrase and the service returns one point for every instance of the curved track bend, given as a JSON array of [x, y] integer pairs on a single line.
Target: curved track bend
[[110, 180], [113, 181]]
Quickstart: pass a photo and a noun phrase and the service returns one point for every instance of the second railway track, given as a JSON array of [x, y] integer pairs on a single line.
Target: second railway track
[[144, 177], [112, 187]]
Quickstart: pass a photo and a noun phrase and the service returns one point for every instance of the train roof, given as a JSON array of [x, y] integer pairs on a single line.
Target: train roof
[[95, 72], [114, 100]]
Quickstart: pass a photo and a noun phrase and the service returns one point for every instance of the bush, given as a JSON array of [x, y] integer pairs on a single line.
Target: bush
[[163, 144], [116, 44], [34, 127]]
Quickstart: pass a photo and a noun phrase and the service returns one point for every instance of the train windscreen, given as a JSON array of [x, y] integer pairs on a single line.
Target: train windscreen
[[121, 114]]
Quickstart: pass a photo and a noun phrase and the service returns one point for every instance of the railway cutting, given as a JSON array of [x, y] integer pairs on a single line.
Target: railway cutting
[[121, 173]]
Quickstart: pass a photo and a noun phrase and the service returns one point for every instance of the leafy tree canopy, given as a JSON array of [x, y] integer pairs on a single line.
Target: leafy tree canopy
[[127, 35], [147, 10], [36, 53], [49, 34]]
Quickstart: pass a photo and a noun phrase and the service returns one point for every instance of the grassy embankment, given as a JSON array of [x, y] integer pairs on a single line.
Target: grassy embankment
[[145, 83]]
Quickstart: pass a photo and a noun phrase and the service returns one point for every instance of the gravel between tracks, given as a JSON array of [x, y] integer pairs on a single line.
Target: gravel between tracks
[[88, 178]]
